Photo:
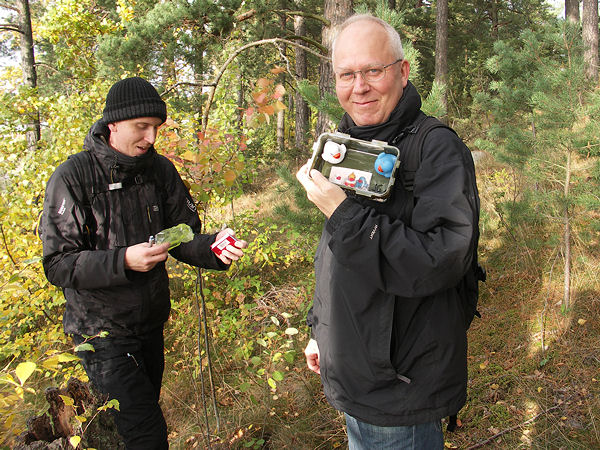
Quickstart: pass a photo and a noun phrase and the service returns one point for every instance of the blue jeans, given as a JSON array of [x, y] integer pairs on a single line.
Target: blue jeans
[[364, 436]]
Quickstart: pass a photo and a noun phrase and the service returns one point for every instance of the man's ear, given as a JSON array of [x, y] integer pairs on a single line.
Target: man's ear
[[404, 72], [112, 127]]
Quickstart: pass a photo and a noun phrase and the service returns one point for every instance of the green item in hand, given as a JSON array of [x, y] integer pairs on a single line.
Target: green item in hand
[[175, 235]]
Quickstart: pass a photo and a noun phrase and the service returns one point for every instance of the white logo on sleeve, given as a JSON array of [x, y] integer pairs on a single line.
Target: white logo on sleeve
[[190, 204], [63, 207]]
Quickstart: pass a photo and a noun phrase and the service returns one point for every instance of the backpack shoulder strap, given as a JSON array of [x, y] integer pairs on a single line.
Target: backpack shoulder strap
[[85, 169], [410, 142]]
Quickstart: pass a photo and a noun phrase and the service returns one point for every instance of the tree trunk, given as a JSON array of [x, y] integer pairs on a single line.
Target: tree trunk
[[335, 12], [391, 4], [590, 39], [494, 18], [441, 52], [567, 237], [281, 114], [28, 66], [198, 65], [572, 10], [301, 107], [240, 104]]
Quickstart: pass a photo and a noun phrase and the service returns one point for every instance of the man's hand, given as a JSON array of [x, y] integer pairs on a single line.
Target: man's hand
[[312, 356], [143, 257], [319, 190], [231, 252]]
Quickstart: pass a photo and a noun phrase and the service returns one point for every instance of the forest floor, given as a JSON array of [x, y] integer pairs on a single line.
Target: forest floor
[[534, 373]]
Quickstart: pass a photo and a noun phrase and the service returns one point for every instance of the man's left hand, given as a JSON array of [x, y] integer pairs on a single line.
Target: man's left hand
[[231, 252], [319, 190]]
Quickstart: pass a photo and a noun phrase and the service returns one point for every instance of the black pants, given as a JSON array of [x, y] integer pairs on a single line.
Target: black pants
[[130, 371]]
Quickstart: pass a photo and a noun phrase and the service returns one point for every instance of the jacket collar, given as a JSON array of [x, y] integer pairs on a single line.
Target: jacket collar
[[403, 115], [96, 142]]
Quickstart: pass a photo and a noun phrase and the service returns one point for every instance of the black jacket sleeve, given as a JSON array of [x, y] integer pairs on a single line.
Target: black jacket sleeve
[[69, 261], [180, 208], [431, 253]]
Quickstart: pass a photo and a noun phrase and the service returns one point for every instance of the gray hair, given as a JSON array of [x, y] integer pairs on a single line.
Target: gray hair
[[394, 40]]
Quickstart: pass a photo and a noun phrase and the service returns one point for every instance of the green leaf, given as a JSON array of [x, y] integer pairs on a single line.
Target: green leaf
[[24, 371], [255, 360], [272, 383], [277, 376], [32, 260], [291, 331], [275, 320], [85, 347]]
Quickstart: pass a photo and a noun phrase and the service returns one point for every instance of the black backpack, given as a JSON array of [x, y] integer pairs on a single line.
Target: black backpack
[[410, 142]]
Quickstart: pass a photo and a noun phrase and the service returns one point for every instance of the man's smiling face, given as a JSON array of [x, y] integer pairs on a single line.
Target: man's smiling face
[[361, 45], [133, 137]]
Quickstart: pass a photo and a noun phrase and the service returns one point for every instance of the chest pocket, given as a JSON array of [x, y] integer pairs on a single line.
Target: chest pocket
[[128, 214]]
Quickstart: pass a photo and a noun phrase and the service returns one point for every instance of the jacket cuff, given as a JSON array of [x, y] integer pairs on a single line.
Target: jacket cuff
[[119, 269], [348, 209]]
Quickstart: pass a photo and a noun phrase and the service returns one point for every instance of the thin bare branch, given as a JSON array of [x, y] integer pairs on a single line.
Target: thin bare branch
[[184, 83], [7, 6], [10, 27], [221, 71]]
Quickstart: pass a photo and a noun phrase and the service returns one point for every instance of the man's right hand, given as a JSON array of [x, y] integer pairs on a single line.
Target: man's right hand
[[143, 257], [312, 356]]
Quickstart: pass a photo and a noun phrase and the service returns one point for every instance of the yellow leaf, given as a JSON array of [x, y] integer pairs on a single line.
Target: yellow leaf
[[484, 365], [74, 441], [66, 357], [539, 389], [581, 321], [67, 400], [51, 363], [278, 106], [24, 371], [495, 386]]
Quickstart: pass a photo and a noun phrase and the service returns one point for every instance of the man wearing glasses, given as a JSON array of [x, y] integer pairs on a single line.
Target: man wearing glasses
[[388, 331]]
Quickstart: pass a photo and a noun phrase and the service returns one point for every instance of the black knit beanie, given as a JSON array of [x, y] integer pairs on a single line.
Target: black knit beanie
[[131, 98]]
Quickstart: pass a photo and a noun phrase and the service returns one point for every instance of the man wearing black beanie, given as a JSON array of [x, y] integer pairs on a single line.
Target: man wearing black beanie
[[101, 207]]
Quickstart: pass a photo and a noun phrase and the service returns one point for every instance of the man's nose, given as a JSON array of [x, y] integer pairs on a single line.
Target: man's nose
[[360, 84], [150, 135]]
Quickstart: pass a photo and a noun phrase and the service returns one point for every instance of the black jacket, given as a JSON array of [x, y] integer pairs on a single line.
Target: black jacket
[[386, 313], [86, 228]]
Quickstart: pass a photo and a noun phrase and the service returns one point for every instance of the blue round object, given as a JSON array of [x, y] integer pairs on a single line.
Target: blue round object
[[384, 164]]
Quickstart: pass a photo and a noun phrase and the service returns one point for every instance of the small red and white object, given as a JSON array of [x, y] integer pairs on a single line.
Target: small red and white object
[[221, 244]]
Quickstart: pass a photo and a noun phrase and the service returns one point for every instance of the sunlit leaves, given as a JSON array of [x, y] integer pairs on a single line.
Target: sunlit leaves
[[266, 96], [211, 164], [24, 371]]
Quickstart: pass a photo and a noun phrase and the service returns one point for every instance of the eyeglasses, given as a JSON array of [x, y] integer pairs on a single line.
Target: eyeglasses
[[370, 74]]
